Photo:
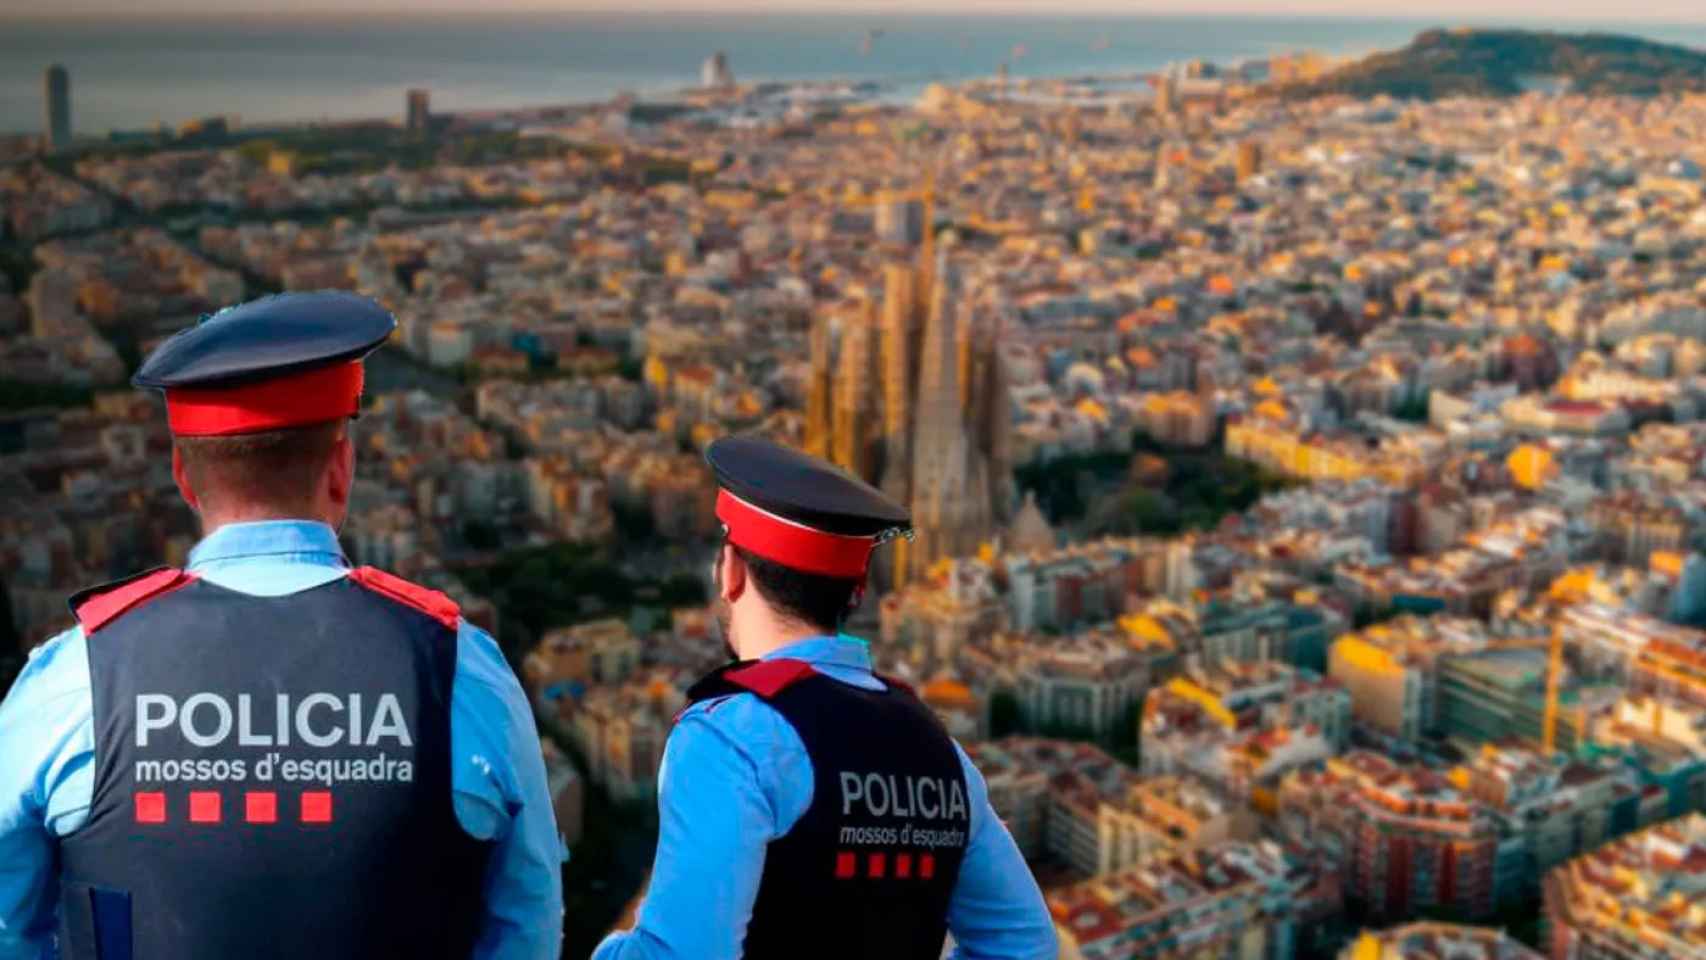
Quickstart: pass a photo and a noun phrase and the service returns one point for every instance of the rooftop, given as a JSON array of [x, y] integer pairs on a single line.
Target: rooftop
[[1648, 888], [1139, 910], [1438, 941]]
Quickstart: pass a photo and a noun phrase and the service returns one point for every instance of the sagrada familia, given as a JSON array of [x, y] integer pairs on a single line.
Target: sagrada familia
[[909, 392]]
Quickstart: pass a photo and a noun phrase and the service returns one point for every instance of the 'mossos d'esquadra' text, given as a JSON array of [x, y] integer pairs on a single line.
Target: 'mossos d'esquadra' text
[[318, 721]]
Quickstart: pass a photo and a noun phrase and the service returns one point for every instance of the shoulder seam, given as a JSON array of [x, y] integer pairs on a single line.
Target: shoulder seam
[[102, 606], [732, 742], [767, 678], [497, 683], [711, 703], [425, 600]]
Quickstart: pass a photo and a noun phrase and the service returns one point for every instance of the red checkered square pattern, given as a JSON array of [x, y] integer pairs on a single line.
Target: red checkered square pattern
[[879, 866], [260, 806], [204, 806], [317, 807], [150, 808]]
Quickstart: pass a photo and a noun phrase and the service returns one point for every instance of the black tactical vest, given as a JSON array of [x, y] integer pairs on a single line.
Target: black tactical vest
[[272, 776], [868, 871]]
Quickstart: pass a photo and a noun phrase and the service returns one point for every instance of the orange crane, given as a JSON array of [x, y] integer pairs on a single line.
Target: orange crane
[[924, 193], [1554, 672]]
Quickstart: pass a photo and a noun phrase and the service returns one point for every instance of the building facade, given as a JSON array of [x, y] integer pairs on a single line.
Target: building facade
[[1402, 839], [1637, 899]]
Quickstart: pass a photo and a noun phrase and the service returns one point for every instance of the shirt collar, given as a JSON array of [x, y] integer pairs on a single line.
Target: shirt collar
[[303, 541], [840, 650]]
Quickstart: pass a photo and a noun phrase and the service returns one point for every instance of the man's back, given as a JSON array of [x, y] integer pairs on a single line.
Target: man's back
[[124, 757], [267, 757], [877, 851], [738, 778], [496, 778]]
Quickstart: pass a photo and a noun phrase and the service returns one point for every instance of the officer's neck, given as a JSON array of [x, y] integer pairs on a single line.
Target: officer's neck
[[211, 521], [762, 631]]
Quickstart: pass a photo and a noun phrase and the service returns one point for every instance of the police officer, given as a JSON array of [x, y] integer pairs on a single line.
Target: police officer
[[807, 807], [268, 753]]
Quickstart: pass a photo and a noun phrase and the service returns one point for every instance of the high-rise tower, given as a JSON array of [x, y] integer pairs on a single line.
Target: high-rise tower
[[819, 387], [951, 505], [56, 96], [900, 333], [419, 111], [855, 427], [715, 73]]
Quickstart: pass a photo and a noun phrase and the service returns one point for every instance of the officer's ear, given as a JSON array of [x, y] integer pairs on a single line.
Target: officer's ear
[[340, 472], [181, 476], [732, 573]]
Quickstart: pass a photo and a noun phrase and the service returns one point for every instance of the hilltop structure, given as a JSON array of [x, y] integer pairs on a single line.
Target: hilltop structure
[[1508, 63]]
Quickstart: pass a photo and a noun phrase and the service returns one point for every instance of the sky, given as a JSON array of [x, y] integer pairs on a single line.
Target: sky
[[1678, 11]]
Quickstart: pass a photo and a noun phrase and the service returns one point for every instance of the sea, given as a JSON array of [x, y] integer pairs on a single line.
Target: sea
[[132, 73]]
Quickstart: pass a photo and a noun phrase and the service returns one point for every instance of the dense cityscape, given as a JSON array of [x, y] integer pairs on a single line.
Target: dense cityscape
[[1310, 491]]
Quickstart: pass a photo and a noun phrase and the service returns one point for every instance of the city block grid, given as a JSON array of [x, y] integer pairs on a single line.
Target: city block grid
[[1309, 491]]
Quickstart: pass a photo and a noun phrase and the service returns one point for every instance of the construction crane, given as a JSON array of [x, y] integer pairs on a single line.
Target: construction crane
[[1554, 673], [924, 193]]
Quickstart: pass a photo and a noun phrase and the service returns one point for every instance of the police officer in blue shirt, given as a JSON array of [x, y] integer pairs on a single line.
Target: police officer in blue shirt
[[808, 807], [268, 753]]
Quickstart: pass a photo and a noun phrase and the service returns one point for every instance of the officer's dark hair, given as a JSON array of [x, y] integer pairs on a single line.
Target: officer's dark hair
[[814, 600], [277, 468]]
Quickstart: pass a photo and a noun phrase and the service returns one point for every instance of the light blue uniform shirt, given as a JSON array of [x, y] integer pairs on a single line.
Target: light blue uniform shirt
[[738, 777], [47, 757]]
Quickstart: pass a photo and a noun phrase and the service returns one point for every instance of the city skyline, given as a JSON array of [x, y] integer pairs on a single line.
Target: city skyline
[[1306, 458], [1528, 12]]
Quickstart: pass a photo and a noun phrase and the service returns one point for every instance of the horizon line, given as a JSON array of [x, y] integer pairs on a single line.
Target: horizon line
[[1096, 9]]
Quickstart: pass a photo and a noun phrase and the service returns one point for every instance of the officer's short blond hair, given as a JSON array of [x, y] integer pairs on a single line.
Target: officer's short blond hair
[[278, 468]]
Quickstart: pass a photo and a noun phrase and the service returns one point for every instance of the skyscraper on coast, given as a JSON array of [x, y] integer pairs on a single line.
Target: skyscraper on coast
[[419, 106], [715, 74], [56, 121]]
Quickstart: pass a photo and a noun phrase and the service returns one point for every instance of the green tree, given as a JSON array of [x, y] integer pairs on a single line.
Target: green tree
[[1368, 614], [480, 534], [1005, 717], [257, 151], [1151, 513], [11, 665], [15, 395], [11, 654], [633, 524], [17, 264], [682, 590], [1414, 409]]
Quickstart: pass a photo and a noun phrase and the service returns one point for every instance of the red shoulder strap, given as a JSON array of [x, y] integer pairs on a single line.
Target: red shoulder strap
[[102, 606], [428, 601], [769, 677]]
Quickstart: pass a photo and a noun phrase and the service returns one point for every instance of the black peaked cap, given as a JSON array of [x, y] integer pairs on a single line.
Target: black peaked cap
[[267, 338], [803, 488]]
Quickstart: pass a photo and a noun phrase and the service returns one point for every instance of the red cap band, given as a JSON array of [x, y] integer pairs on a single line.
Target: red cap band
[[294, 400], [791, 544]]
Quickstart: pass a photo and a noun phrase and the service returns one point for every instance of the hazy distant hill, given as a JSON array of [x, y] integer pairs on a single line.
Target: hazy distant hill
[[1494, 63]]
